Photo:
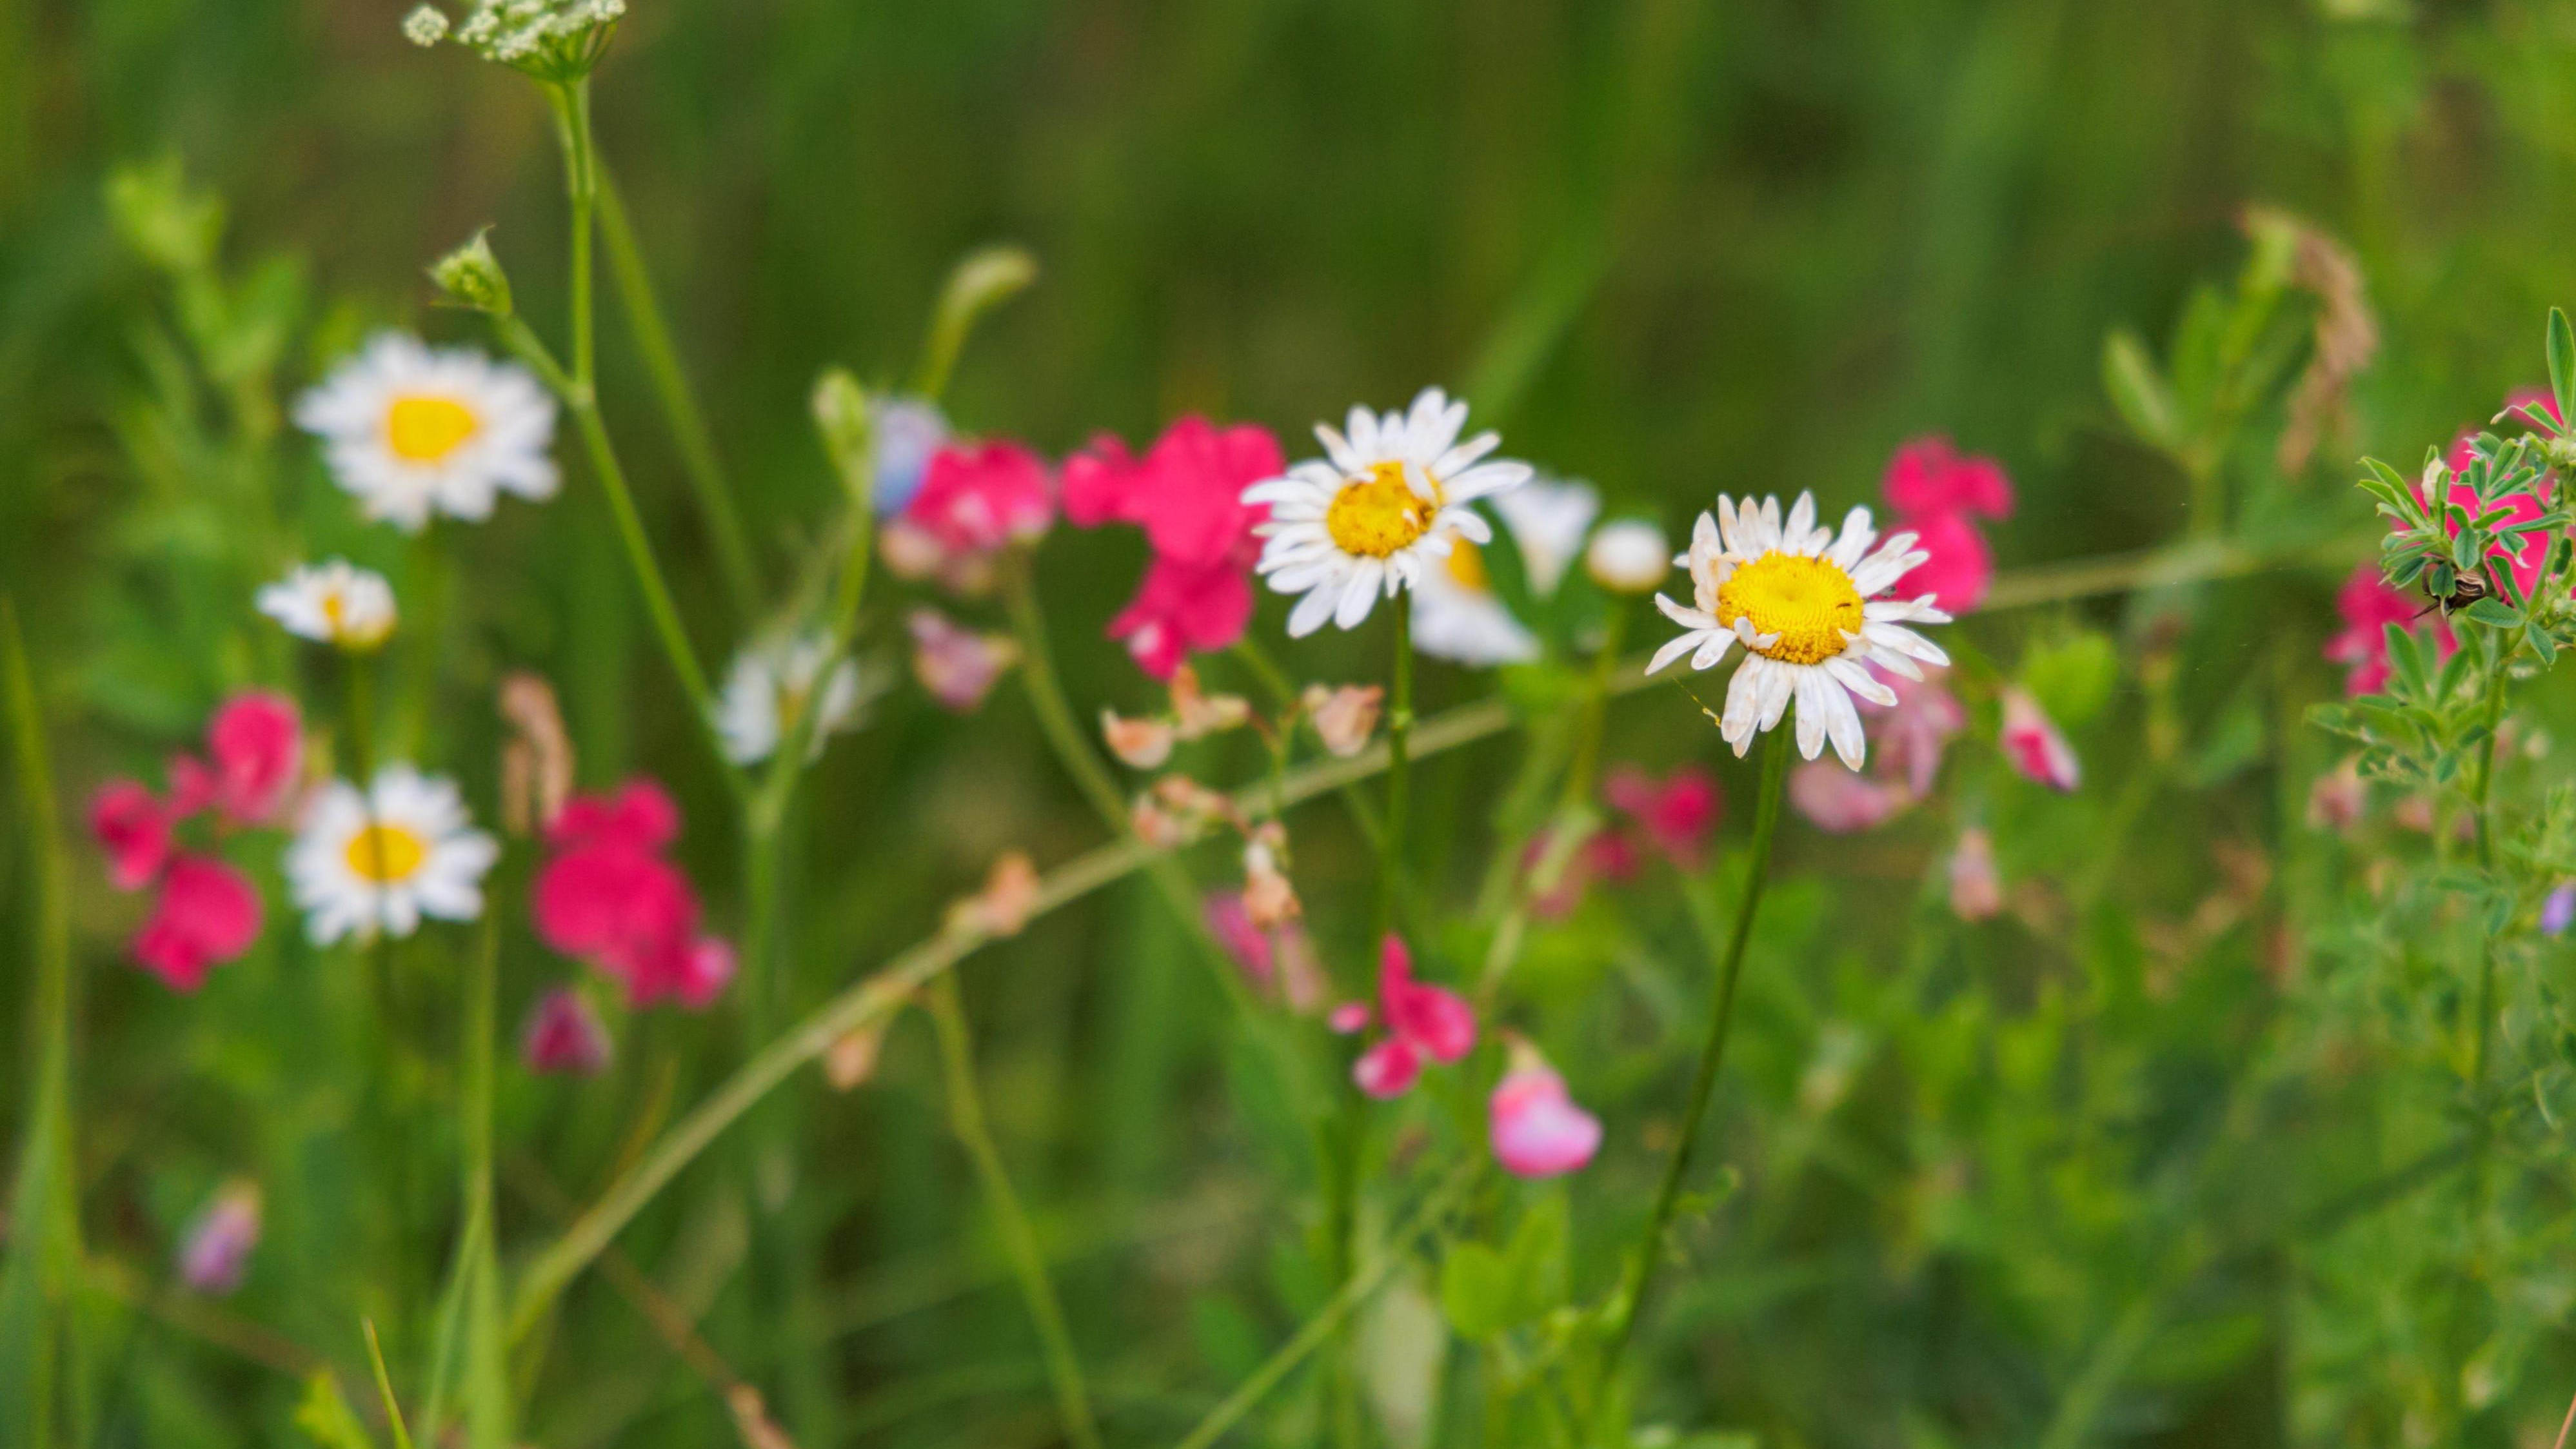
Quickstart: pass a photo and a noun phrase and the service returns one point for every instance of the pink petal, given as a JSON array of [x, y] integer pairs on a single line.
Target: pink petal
[[134, 830], [1437, 1020], [257, 742], [563, 1035], [1388, 1069], [2033, 745], [207, 914], [1536, 1129]]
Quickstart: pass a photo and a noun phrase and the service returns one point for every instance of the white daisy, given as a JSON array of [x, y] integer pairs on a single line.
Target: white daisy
[[333, 603], [1388, 499], [1804, 603], [383, 858], [1456, 614], [766, 687], [411, 431]]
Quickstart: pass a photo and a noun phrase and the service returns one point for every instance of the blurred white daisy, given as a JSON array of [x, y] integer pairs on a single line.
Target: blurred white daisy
[[1456, 614], [381, 859], [1804, 604], [412, 430], [766, 689], [1379, 510], [333, 603]]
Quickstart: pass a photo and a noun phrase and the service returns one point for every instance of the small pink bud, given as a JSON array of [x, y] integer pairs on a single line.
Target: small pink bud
[[134, 830], [1388, 1069], [2338, 799], [852, 1060], [2033, 745], [1008, 899], [1200, 714], [1535, 1128], [1344, 716], [215, 1255], [1349, 1017], [1976, 892], [1268, 898], [956, 665], [563, 1035], [1139, 744]]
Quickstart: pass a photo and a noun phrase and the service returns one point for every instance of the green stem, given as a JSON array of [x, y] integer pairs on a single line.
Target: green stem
[[680, 409], [1399, 736], [1649, 1254], [1284, 698], [2482, 808], [1010, 1218]]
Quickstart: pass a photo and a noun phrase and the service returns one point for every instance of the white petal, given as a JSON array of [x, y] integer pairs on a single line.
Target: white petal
[[1359, 595], [1313, 610], [1807, 687], [1675, 648]]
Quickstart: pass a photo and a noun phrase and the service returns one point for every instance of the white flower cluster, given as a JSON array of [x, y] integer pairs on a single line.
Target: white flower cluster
[[535, 35]]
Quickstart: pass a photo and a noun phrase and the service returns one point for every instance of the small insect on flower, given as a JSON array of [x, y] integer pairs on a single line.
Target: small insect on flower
[[1805, 605], [767, 688], [336, 603], [1386, 503], [382, 858], [413, 431]]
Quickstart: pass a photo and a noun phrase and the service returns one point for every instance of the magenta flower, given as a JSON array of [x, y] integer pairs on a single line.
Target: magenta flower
[[1186, 493], [975, 500], [2368, 606], [214, 1256], [1422, 1022], [206, 914], [563, 1035], [1937, 494], [2034, 746], [134, 830], [609, 898], [257, 742], [1676, 814], [1534, 1126], [1960, 568]]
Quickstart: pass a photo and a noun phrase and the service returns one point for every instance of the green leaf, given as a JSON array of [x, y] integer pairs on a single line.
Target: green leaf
[[2138, 392], [2561, 346], [2072, 677], [2495, 613], [325, 1416], [1476, 1291], [983, 280]]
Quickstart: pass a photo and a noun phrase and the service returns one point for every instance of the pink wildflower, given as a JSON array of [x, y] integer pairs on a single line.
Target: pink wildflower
[[1976, 890], [257, 741], [1534, 1126], [1911, 736], [1675, 814], [958, 666], [1422, 1022], [1280, 958], [608, 897], [1843, 802], [214, 1256], [2368, 606], [2034, 746], [1960, 568], [975, 500], [134, 830], [1182, 609], [207, 914], [1936, 493], [1186, 493], [564, 1036]]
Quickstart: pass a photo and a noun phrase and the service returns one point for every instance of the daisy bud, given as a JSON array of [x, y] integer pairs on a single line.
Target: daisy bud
[[1344, 716], [1140, 744], [2034, 746], [1268, 899], [471, 276], [216, 1253], [841, 416], [1976, 892], [1535, 1128], [1629, 556], [1202, 714]]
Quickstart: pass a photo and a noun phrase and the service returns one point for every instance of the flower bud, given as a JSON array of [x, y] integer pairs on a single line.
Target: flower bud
[[1140, 744], [841, 416], [471, 276], [1628, 556], [1344, 717]]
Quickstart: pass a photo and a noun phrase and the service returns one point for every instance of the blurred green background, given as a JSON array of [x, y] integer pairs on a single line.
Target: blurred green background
[[1673, 247]]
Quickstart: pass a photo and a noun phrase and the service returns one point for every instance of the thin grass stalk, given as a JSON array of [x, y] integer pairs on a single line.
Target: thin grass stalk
[[1648, 1258], [680, 408], [1010, 1217]]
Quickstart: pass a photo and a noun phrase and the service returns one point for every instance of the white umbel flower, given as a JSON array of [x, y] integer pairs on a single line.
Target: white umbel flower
[[765, 691], [1385, 503], [1457, 615], [334, 603], [412, 431], [1804, 604], [381, 859]]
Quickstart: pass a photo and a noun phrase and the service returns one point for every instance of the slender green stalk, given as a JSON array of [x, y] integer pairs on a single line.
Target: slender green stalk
[[680, 410], [1010, 1218], [2482, 809], [1284, 698], [1399, 769], [1312, 1335], [1649, 1255]]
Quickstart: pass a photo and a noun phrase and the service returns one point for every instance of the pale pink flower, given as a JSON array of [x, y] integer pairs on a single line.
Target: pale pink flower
[[1976, 891], [1267, 895], [2338, 798], [1843, 802], [134, 829], [607, 897], [214, 1255], [1535, 1128], [2034, 746], [564, 1035], [1008, 899], [1197, 714], [1911, 736], [1422, 1022], [1139, 744], [256, 741], [957, 665], [1280, 958], [1676, 815], [206, 914], [1349, 1017], [1344, 715]]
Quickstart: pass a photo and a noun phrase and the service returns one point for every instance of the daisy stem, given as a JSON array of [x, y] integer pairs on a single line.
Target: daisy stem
[[1649, 1253], [580, 393], [680, 410], [1010, 1218]]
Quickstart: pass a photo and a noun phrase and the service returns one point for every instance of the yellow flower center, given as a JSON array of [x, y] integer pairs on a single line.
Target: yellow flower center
[[1809, 602], [335, 612], [1467, 568], [423, 429], [386, 854], [1378, 514]]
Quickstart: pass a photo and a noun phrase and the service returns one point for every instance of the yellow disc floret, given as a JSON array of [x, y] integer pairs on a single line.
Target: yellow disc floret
[[1378, 514], [1467, 568], [386, 854], [1810, 603], [424, 429]]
